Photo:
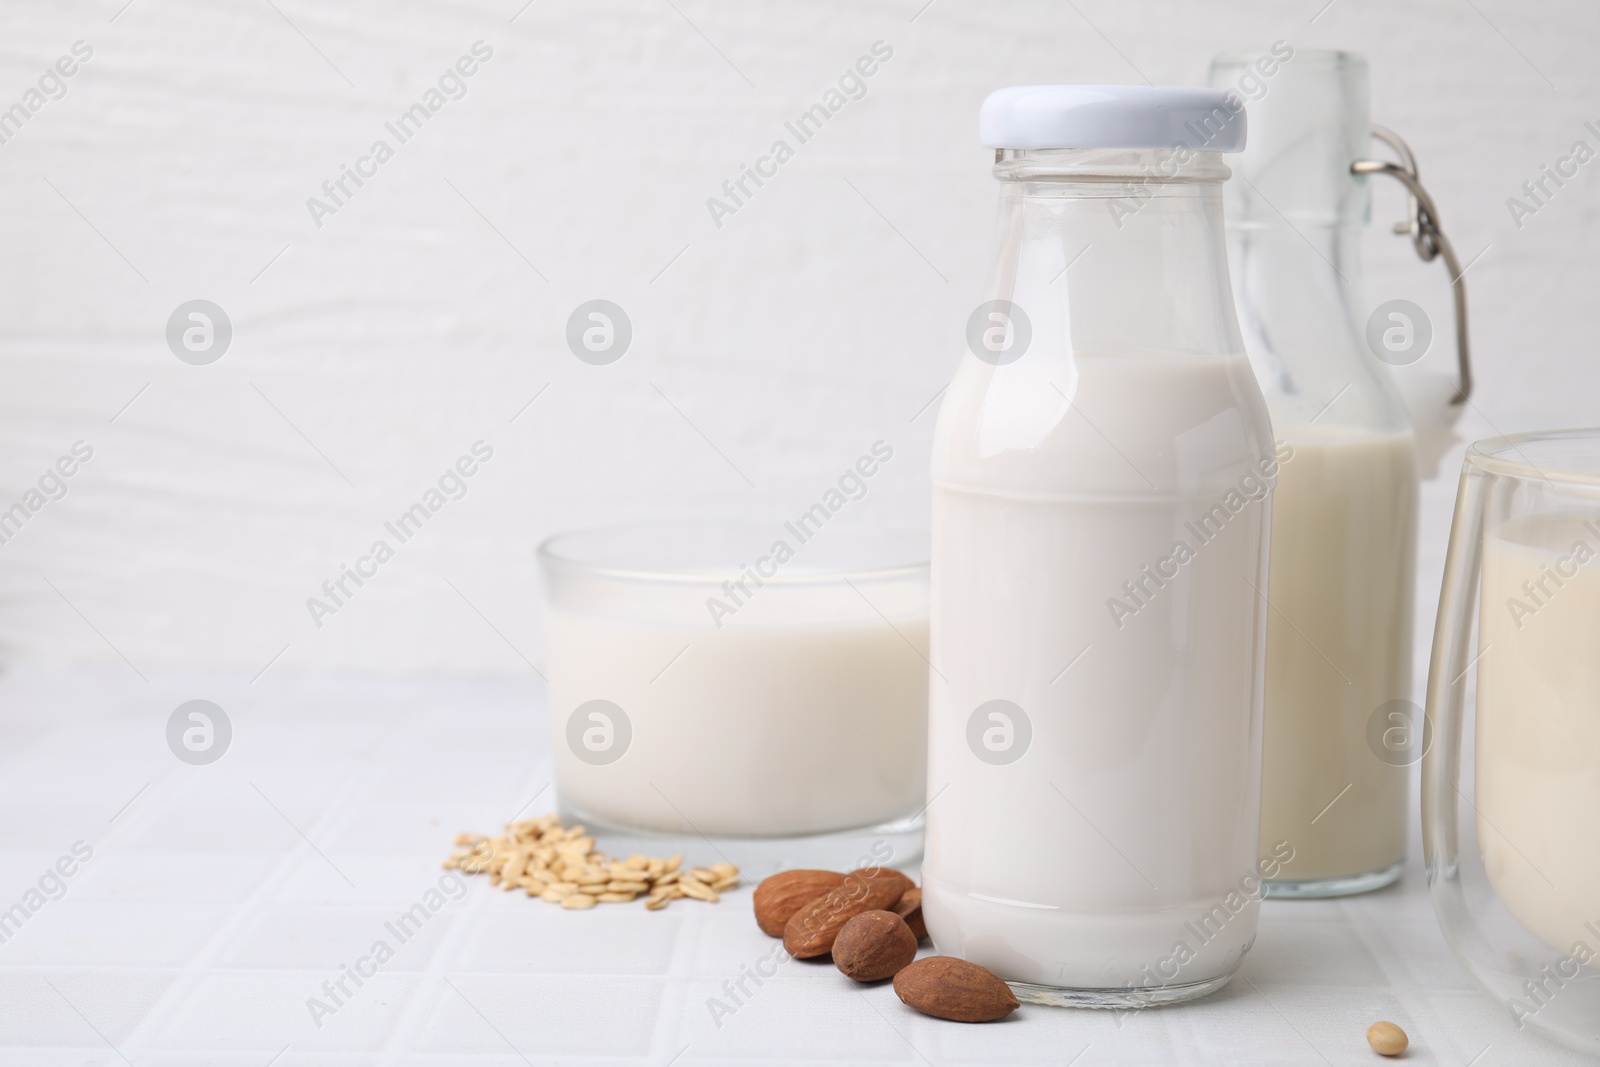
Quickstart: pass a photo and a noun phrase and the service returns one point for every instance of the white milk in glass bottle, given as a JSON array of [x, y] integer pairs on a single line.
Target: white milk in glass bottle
[[1102, 472], [1337, 748]]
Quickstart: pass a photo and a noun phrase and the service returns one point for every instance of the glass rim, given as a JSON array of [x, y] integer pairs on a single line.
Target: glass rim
[[1509, 455], [550, 554]]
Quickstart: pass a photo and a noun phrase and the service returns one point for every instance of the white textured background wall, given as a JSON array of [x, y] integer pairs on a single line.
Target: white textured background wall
[[370, 353]]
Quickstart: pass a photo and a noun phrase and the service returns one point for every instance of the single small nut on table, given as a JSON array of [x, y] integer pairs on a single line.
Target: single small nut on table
[[811, 930], [873, 946], [777, 898], [1387, 1039], [948, 988]]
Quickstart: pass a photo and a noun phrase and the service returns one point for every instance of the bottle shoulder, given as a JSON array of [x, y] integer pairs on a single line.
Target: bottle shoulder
[[1143, 425], [1335, 387], [1309, 338]]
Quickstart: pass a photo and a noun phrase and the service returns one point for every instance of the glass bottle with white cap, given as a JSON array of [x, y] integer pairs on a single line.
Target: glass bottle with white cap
[[1102, 472]]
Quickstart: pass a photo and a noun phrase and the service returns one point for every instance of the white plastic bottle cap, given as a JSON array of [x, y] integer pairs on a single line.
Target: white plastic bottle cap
[[1112, 116]]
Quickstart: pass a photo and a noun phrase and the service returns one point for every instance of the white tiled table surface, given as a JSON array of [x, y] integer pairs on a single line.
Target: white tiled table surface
[[219, 898]]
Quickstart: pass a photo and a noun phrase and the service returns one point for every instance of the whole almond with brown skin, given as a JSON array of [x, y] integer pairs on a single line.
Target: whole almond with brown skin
[[874, 946], [779, 897], [948, 988], [811, 930], [910, 909], [886, 872]]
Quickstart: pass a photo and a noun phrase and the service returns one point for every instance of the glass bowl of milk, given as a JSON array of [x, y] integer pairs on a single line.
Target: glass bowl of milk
[[761, 689], [1511, 773]]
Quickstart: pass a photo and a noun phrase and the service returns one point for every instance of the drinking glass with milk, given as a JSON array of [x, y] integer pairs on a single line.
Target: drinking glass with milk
[[1511, 780], [1344, 515], [1102, 470], [760, 690]]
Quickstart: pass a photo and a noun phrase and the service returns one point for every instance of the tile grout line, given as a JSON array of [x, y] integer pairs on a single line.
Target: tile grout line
[[404, 1040], [669, 1027], [1408, 996], [200, 965]]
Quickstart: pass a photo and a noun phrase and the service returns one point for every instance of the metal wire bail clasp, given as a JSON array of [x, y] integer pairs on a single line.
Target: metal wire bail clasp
[[1428, 239]]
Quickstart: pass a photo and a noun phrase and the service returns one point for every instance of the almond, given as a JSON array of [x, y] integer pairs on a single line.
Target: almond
[[886, 872], [777, 898], [948, 988], [811, 930], [873, 946], [910, 909]]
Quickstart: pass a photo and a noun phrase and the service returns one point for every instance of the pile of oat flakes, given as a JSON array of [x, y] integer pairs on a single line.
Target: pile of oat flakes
[[561, 865]]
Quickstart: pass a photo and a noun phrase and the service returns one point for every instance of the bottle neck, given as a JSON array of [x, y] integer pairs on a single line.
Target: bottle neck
[[1116, 252], [1295, 217], [1300, 296], [1298, 269], [1307, 124]]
